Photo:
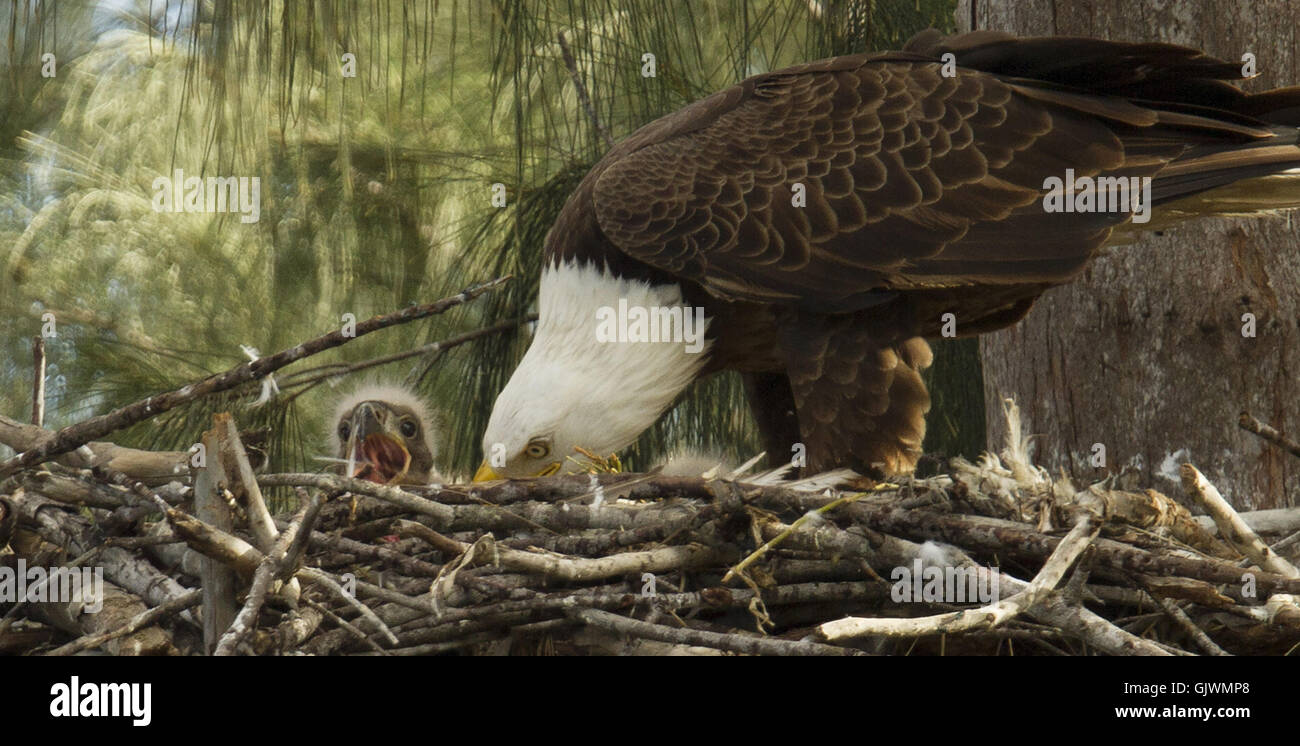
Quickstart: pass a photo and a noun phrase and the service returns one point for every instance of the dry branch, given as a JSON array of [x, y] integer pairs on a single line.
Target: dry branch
[[1247, 422], [985, 617], [74, 436]]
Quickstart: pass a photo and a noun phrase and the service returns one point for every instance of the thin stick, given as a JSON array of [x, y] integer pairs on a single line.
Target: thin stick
[[1231, 526], [266, 572], [310, 378], [738, 643], [414, 503], [74, 436], [1287, 542], [311, 505], [347, 626], [1176, 613], [323, 579], [776, 540], [259, 517], [137, 623], [985, 617], [1246, 422], [581, 88], [574, 570], [38, 382]]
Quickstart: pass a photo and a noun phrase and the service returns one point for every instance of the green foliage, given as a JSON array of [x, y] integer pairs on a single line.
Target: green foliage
[[374, 189]]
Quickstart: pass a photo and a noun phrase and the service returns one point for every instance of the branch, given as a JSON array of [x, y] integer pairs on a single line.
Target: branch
[[266, 572], [38, 381], [1231, 526], [74, 436], [581, 88], [739, 643], [985, 617], [1246, 422], [139, 622], [576, 570], [442, 514]]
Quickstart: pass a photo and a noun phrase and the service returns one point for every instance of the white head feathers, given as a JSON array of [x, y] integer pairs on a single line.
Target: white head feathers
[[579, 389]]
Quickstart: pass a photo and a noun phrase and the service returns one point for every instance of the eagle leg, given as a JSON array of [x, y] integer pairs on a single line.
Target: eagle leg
[[859, 394]]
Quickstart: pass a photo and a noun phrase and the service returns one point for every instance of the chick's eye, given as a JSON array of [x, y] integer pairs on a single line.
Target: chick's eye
[[536, 450], [344, 431], [408, 428]]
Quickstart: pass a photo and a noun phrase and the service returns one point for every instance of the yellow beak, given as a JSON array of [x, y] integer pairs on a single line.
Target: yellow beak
[[486, 473]]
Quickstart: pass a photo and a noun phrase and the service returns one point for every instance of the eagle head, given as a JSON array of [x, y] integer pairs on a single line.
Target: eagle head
[[576, 387], [384, 434]]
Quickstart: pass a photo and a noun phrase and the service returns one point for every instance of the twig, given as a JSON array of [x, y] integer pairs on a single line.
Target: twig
[[576, 570], [581, 88], [241, 473], [1235, 531], [1286, 543], [984, 617], [74, 436], [1179, 617], [311, 505], [155, 466], [1231, 527], [139, 622], [1246, 422], [347, 626], [313, 377], [323, 579], [38, 382], [266, 572], [443, 514], [739, 643], [786, 533]]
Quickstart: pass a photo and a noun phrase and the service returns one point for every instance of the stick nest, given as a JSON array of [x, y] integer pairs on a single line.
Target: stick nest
[[638, 564]]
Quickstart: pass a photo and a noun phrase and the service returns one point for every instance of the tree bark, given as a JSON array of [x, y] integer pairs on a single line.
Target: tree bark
[[1144, 353]]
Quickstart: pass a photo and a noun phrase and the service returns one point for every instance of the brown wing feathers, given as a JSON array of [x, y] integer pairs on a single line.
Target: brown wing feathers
[[922, 194], [901, 164]]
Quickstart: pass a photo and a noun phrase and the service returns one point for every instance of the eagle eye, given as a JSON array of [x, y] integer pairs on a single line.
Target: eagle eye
[[537, 449], [408, 428]]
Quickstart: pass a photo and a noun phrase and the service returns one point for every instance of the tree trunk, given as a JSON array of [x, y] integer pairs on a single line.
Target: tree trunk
[[1145, 354]]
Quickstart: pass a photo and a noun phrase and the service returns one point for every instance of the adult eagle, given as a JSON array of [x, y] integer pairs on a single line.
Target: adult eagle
[[827, 218]]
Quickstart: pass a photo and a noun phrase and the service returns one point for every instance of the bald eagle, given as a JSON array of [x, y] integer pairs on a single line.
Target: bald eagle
[[826, 218], [384, 433]]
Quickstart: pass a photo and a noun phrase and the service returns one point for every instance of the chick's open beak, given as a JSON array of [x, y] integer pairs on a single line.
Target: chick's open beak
[[486, 473], [379, 451]]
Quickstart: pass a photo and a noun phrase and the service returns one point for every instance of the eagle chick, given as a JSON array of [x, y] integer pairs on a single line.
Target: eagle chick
[[384, 433]]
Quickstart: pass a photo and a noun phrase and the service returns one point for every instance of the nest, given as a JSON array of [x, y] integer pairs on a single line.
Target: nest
[[996, 557]]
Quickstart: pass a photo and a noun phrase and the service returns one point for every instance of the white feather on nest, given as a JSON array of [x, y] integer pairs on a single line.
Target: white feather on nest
[[688, 463]]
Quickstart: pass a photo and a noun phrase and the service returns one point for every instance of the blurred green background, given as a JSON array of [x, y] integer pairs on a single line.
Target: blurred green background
[[375, 192]]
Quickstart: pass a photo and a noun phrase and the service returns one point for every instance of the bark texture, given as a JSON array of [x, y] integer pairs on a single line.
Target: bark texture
[[1144, 354]]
